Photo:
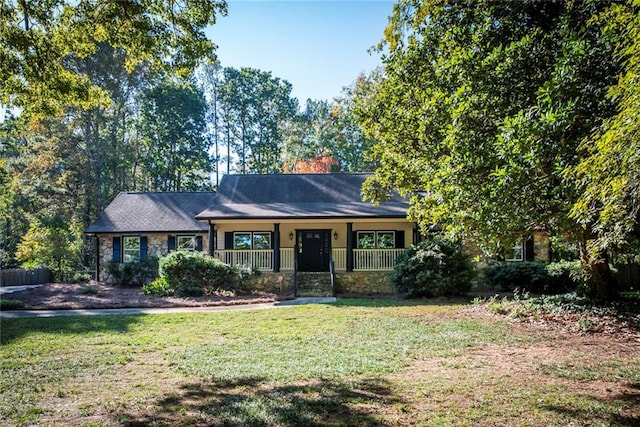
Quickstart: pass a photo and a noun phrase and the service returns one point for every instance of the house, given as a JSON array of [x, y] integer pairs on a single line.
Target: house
[[277, 224], [306, 232]]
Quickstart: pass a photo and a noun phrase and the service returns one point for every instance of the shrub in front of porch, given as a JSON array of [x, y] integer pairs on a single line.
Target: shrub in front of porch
[[196, 274], [435, 267]]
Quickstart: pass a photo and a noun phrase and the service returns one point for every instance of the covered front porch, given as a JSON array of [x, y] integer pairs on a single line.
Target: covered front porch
[[307, 245]]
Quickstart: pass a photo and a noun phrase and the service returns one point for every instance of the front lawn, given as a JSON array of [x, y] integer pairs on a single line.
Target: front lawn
[[359, 362]]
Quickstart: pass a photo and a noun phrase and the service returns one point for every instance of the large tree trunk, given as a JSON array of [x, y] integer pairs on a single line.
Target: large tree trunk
[[602, 285]]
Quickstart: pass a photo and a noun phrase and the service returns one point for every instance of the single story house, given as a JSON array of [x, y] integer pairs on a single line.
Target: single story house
[[302, 231]]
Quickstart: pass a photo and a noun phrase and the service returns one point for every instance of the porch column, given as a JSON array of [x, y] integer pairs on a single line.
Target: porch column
[[212, 239], [349, 246], [276, 248]]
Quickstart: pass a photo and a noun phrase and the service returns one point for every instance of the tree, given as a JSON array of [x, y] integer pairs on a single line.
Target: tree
[[257, 106], [55, 244], [210, 79], [38, 37], [482, 113], [319, 164], [173, 127], [350, 145], [609, 173]]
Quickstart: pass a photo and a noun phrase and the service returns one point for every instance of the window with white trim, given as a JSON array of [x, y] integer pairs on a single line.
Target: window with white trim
[[517, 252], [186, 243], [376, 240], [251, 240], [131, 251]]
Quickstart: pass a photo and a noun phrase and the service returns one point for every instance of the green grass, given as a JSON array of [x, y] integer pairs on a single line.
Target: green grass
[[359, 362]]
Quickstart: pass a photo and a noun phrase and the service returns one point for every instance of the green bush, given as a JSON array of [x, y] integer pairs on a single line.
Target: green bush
[[134, 274], [11, 304], [432, 268], [159, 287], [566, 276], [531, 276], [537, 277], [195, 274]]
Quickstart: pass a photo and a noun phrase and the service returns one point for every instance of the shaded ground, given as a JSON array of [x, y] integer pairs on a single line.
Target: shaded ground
[[69, 296]]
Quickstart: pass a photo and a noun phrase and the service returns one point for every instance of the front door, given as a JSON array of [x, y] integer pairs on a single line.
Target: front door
[[313, 250]]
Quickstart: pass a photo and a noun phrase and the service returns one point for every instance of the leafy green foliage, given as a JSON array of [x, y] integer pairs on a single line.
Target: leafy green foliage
[[11, 304], [256, 105], [159, 287], [484, 114], [52, 245], [195, 274], [537, 277], [135, 274], [173, 127], [38, 38], [434, 267]]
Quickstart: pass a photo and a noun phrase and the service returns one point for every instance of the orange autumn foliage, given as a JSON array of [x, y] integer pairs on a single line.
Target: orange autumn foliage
[[319, 164]]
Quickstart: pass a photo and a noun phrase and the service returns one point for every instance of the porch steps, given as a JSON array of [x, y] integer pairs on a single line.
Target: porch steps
[[312, 284]]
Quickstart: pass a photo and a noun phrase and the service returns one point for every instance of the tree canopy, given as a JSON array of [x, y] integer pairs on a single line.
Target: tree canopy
[[38, 38], [487, 112]]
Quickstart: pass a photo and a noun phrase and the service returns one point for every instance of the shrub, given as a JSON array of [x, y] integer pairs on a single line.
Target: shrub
[[432, 268], [531, 276], [194, 274], [566, 276], [136, 273], [11, 304], [159, 287], [537, 277]]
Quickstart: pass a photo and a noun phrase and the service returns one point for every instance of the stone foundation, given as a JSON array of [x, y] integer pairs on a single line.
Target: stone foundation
[[357, 282]]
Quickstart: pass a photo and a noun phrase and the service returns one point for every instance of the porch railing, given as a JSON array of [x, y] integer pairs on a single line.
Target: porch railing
[[262, 259], [259, 259], [287, 259], [339, 256], [375, 259]]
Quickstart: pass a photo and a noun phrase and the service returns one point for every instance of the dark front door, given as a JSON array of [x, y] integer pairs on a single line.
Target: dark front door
[[313, 250]]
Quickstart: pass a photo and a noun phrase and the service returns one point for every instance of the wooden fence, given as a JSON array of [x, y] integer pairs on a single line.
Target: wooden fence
[[628, 276], [20, 276]]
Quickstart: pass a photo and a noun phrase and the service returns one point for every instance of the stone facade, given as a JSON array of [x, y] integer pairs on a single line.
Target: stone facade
[[541, 246], [357, 282], [156, 247], [364, 282]]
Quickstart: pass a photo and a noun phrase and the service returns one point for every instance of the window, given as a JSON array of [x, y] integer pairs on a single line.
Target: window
[[517, 252], [186, 243], [131, 250], [376, 240], [252, 240], [262, 240]]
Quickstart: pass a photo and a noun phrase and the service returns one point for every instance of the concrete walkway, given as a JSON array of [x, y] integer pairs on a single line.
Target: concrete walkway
[[15, 314]]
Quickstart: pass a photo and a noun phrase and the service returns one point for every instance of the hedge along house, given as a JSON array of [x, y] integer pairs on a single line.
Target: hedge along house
[[295, 228], [136, 226]]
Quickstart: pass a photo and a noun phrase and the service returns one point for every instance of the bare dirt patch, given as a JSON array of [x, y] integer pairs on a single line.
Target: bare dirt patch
[[70, 296]]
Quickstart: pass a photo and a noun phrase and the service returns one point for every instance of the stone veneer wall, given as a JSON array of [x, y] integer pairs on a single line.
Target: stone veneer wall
[[156, 247], [541, 246], [357, 282]]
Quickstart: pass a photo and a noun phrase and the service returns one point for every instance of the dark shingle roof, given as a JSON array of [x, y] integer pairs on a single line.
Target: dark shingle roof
[[153, 212], [298, 196]]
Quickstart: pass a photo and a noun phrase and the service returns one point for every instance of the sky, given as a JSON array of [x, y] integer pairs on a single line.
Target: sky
[[319, 46]]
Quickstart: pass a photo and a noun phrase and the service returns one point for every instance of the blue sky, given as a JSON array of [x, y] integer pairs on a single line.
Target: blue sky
[[319, 46]]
